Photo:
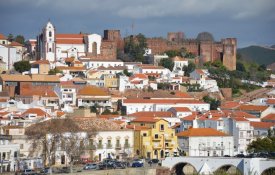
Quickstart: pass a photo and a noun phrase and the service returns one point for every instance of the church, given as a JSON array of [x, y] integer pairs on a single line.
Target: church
[[53, 46]]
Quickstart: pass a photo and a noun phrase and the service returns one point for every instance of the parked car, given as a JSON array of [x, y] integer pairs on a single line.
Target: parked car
[[240, 155], [45, 171], [153, 161], [90, 166], [119, 164], [28, 172], [137, 163]]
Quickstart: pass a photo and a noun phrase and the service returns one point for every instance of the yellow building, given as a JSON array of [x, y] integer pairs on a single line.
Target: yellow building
[[153, 138], [110, 81]]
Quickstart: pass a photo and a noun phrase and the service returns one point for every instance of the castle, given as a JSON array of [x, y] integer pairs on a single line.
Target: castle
[[204, 46], [54, 46]]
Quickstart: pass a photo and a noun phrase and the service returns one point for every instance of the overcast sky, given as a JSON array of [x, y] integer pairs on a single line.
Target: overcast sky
[[252, 22]]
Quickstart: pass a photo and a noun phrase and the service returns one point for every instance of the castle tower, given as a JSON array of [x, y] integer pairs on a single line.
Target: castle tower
[[229, 53], [48, 42]]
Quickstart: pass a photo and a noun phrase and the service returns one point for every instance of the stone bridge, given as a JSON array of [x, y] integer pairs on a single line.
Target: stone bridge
[[210, 165]]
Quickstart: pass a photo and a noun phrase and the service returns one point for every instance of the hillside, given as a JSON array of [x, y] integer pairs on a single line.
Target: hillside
[[258, 54]]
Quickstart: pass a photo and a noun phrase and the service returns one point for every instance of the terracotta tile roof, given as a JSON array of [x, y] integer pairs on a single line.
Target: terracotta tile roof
[[69, 38], [201, 132], [270, 117], [240, 119], [242, 114], [182, 94], [189, 117], [162, 101], [137, 128], [12, 127], [145, 120], [3, 37], [152, 114], [14, 43], [92, 91], [41, 62], [60, 113], [230, 105], [140, 76], [38, 111], [70, 59], [30, 78], [70, 68], [252, 108], [3, 100], [262, 125], [270, 101], [182, 109]]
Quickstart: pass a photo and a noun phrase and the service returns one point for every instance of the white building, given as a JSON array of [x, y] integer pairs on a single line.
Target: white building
[[180, 112], [8, 54], [137, 105], [205, 142], [93, 64], [242, 132], [9, 154]]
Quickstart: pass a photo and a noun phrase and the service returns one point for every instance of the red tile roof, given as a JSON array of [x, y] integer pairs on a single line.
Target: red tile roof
[[252, 108], [240, 119], [200, 132], [270, 101], [3, 37], [269, 117], [14, 43], [189, 117], [229, 105], [146, 120], [182, 109], [162, 101], [38, 111], [262, 125], [140, 76], [92, 91], [152, 114]]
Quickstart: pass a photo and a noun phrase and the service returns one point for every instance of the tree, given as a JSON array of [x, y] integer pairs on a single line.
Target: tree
[[54, 71], [135, 47], [128, 74], [20, 39], [173, 53], [188, 69], [167, 63], [214, 104], [240, 67], [22, 66], [106, 112], [10, 37]]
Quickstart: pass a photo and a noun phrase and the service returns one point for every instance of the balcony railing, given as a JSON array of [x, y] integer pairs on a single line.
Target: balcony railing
[[126, 145], [118, 146], [109, 146], [99, 146]]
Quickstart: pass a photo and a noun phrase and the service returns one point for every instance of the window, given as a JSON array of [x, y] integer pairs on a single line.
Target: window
[[144, 135], [162, 127], [3, 42], [156, 136], [50, 34], [50, 49]]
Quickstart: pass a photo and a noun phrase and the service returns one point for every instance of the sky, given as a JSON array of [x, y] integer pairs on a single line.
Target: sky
[[252, 22]]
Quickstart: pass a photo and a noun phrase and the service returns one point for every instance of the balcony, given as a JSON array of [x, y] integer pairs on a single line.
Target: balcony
[[99, 146], [168, 138], [157, 146], [169, 146], [118, 146], [156, 138], [126, 145], [109, 146]]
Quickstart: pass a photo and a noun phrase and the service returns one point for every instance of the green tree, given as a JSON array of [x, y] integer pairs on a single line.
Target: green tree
[[214, 104], [173, 53], [135, 47], [167, 63], [10, 37], [54, 71], [188, 69], [128, 74], [20, 39], [106, 112], [240, 67], [22, 66]]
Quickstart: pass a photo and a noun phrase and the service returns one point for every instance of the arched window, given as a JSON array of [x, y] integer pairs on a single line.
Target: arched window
[[94, 49], [50, 49], [50, 34]]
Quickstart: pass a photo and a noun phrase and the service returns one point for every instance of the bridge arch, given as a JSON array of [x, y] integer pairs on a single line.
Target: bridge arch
[[228, 169], [268, 171], [184, 168]]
